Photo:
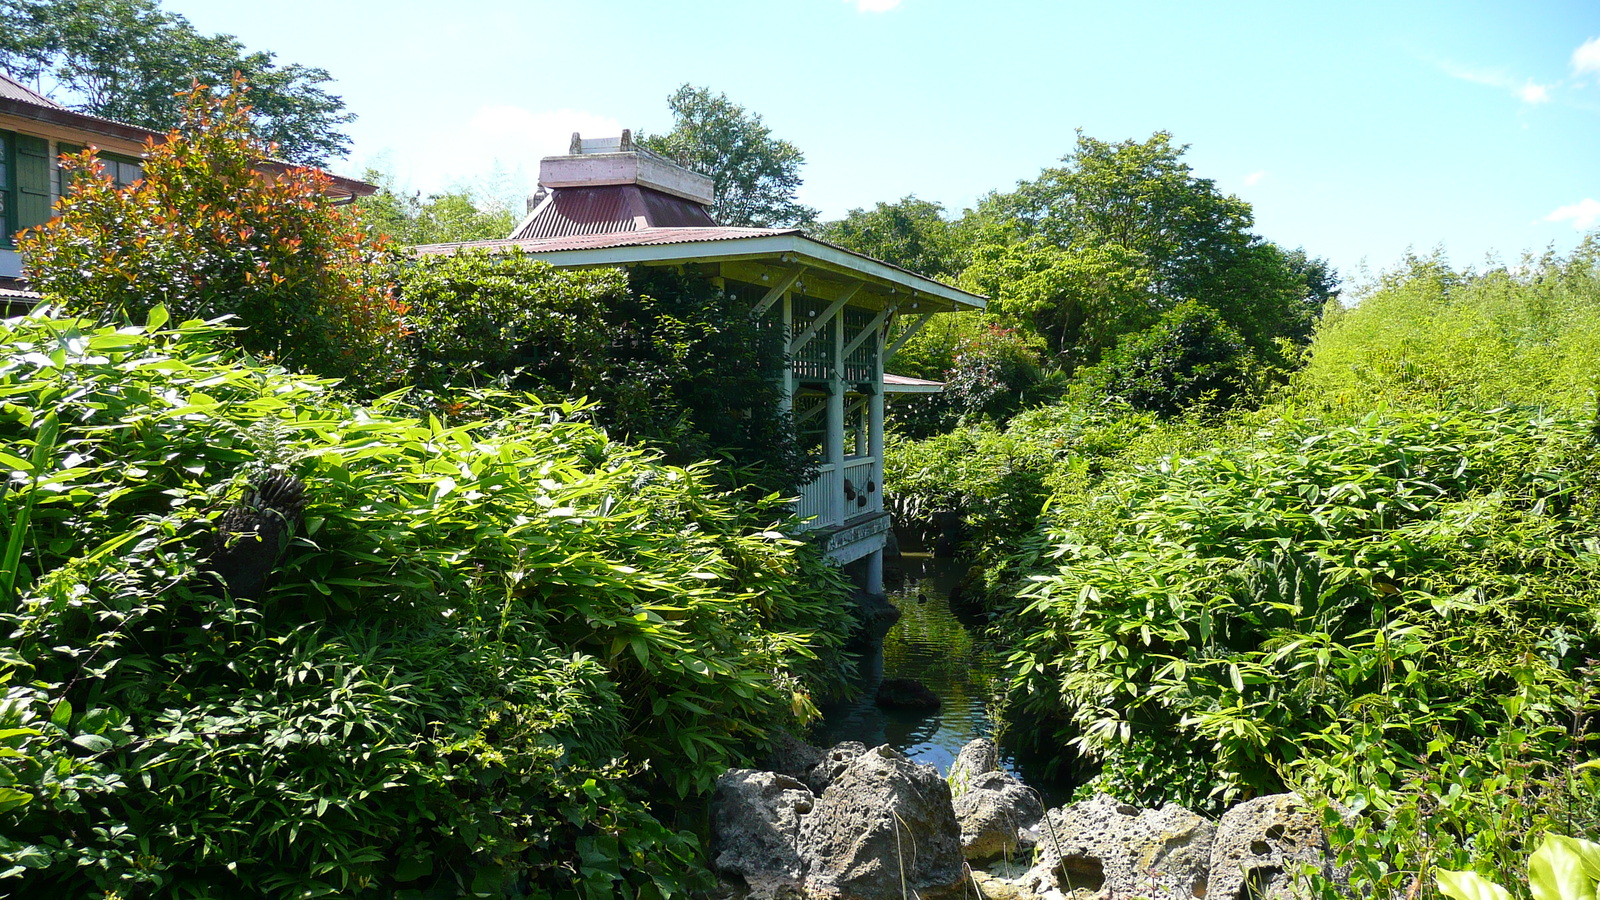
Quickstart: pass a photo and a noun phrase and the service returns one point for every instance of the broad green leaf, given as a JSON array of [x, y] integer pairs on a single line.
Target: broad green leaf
[[1556, 871], [11, 798], [1469, 885]]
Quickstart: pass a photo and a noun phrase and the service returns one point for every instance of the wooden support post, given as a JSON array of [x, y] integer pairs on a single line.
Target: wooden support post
[[823, 319], [875, 450], [779, 291], [901, 340], [834, 451]]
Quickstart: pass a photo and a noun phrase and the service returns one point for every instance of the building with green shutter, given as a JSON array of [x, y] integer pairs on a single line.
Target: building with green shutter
[[35, 132]]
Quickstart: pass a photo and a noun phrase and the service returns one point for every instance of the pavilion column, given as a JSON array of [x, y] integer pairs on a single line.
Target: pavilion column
[[875, 450], [835, 439]]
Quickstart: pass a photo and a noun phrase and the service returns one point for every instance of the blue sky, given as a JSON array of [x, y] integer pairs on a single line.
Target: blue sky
[[1355, 129]]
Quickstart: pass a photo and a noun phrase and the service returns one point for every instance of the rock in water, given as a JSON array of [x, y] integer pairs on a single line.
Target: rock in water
[[1263, 844], [755, 826], [906, 693], [1108, 848], [885, 828]]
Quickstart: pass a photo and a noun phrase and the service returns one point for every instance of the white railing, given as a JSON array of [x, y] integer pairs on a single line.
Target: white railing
[[816, 498], [862, 471]]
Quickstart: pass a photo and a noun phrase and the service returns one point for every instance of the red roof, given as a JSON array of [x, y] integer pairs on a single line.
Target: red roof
[[610, 208], [640, 238]]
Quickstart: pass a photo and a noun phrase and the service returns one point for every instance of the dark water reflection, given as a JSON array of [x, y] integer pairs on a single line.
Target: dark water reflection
[[932, 645]]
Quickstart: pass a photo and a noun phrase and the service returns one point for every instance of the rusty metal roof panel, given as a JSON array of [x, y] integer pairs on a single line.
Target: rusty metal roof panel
[[666, 211], [639, 238], [584, 210], [14, 90], [609, 209]]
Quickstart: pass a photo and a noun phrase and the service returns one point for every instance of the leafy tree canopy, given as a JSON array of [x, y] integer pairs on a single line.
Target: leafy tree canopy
[[756, 174], [408, 218], [910, 233], [1120, 232], [129, 60]]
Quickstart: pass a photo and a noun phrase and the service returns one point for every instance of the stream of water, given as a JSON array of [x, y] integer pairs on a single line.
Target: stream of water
[[933, 646]]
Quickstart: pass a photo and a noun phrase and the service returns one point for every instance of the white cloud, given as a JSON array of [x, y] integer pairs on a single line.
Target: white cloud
[[1586, 59], [1583, 215], [1254, 178], [876, 6], [1528, 91]]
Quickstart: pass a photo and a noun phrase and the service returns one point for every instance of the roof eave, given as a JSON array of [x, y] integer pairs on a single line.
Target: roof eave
[[66, 118], [804, 249]]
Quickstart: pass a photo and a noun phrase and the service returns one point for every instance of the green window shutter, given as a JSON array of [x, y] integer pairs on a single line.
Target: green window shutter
[[33, 181]]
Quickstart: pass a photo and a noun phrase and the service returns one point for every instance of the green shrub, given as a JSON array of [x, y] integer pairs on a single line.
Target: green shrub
[[491, 660], [1321, 600], [206, 233], [668, 358], [1191, 358]]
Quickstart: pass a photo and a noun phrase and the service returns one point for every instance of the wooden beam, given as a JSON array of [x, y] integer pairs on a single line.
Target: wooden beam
[[813, 411], [833, 309], [855, 407], [901, 340], [778, 290], [867, 331]]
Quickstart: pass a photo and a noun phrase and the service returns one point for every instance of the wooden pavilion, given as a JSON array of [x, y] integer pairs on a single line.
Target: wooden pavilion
[[608, 202]]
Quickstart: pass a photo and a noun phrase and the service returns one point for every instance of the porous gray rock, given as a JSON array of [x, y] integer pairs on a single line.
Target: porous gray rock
[[791, 756], [996, 811], [832, 764], [976, 757], [1262, 847], [883, 829], [755, 827], [1105, 847]]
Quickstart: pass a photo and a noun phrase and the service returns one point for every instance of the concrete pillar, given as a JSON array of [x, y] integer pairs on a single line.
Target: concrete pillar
[[875, 571]]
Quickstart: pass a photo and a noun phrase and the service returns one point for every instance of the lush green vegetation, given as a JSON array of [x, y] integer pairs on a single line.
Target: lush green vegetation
[[486, 646], [670, 359], [1381, 587]]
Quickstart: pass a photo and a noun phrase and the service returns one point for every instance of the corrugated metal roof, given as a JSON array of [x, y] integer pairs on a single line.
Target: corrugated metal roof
[[902, 384], [609, 209], [908, 381], [639, 238], [14, 90]]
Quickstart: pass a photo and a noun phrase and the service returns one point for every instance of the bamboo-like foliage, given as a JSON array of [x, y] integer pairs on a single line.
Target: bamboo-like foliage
[[489, 645]]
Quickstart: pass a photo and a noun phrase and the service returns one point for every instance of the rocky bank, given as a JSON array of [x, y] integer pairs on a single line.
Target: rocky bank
[[852, 823]]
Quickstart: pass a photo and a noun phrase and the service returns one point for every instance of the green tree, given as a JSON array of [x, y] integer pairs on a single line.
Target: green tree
[[756, 174], [1120, 232], [129, 60], [910, 233], [206, 234], [457, 215]]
